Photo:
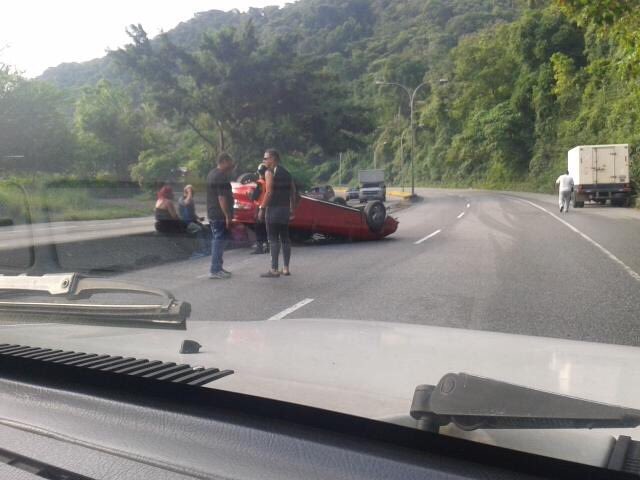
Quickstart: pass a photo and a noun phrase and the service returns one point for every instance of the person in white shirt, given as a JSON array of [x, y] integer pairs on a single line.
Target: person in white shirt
[[565, 187]]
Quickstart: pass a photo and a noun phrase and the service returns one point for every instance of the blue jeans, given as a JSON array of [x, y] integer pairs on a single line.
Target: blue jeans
[[218, 241]]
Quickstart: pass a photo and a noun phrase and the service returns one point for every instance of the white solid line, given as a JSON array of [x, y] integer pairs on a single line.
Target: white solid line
[[461, 215], [293, 308], [628, 269], [26, 324], [468, 205], [428, 237]]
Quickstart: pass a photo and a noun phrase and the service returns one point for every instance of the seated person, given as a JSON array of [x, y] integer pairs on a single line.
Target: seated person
[[167, 220], [192, 221]]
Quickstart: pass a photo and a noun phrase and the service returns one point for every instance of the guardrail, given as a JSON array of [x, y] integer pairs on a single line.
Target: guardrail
[[393, 193]]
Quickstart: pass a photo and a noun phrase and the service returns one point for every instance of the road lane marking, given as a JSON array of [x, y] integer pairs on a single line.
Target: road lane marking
[[461, 215], [291, 309], [26, 324], [611, 256], [428, 237], [468, 205]]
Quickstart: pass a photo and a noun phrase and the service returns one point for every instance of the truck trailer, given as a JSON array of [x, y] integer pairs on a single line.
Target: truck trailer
[[600, 173]]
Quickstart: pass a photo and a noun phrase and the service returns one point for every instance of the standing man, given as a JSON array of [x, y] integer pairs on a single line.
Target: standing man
[[220, 212], [565, 187], [277, 209]]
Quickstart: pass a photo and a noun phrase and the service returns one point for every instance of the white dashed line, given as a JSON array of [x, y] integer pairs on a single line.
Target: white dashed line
[[461, 215], [468, 205], [428, 237], [628, 269], [293, 308]]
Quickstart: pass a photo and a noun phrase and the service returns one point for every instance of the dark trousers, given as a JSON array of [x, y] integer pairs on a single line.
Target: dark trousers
[[219, 236], [277, 221], [261, 233]]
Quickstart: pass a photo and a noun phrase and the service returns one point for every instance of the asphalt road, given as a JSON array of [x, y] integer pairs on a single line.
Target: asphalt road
[[499, 262], [468, 259]]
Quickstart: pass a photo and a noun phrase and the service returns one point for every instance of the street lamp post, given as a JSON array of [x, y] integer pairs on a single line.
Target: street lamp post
[[375, 155], [412, 95], [404, 175]]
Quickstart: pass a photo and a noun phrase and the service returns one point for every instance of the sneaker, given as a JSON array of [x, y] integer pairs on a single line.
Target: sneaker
[[218, 276], [226, 272], [270, 274]]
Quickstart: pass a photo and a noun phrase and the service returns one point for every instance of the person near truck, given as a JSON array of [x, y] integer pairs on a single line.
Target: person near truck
[[565, 187], [277, 210], [220, 212]]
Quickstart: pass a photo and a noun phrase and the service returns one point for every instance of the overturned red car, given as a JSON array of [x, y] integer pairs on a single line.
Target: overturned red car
[[320, 216]]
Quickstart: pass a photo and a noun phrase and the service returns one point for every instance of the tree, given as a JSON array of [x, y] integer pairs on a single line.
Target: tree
[[251, 95], [34, 134], [107, 117], [615, 20]]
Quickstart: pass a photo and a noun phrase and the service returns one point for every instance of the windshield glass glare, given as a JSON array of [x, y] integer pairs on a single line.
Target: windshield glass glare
[[342, 199]]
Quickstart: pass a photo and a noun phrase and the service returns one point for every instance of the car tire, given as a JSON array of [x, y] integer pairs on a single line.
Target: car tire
[[338, 201], [375, 213], [247, 178]]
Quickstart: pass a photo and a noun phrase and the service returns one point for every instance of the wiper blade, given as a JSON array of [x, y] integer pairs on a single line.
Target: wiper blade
[[471, 402], [170, 313]]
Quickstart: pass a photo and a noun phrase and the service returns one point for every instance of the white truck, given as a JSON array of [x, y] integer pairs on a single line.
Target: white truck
[[372, 185], [600, 173]]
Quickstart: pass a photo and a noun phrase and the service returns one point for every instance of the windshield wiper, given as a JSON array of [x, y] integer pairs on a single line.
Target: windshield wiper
[[471, 402], [170, 313]]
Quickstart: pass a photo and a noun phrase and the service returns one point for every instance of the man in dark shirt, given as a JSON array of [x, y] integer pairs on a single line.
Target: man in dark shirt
[[220, 212]]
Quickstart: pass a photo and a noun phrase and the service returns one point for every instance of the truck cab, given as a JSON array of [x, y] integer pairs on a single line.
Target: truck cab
[[373, 191], [372, 185]]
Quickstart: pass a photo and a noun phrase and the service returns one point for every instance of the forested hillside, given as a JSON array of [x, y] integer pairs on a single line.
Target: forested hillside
[[510, 86]]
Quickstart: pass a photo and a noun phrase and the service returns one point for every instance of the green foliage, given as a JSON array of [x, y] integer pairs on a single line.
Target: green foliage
[[110, 128], [527, 80], [34, 133]]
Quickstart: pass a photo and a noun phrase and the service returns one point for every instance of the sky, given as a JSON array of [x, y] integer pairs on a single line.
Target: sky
[[37, 34]]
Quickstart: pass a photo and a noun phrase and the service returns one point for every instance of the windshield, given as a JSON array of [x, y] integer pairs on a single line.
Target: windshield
[[172, 147]]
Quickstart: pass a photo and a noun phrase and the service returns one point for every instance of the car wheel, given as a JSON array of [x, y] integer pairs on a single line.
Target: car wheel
[[247, 178], [375, 214], [338, 200]]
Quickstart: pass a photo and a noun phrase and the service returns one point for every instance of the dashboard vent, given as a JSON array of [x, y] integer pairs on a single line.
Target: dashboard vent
[[154, 369]]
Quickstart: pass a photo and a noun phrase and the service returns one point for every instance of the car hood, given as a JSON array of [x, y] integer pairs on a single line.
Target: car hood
[[371, 369]]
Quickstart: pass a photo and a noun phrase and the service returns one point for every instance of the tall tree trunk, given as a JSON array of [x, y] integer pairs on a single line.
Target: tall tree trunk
[[221, 134]]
